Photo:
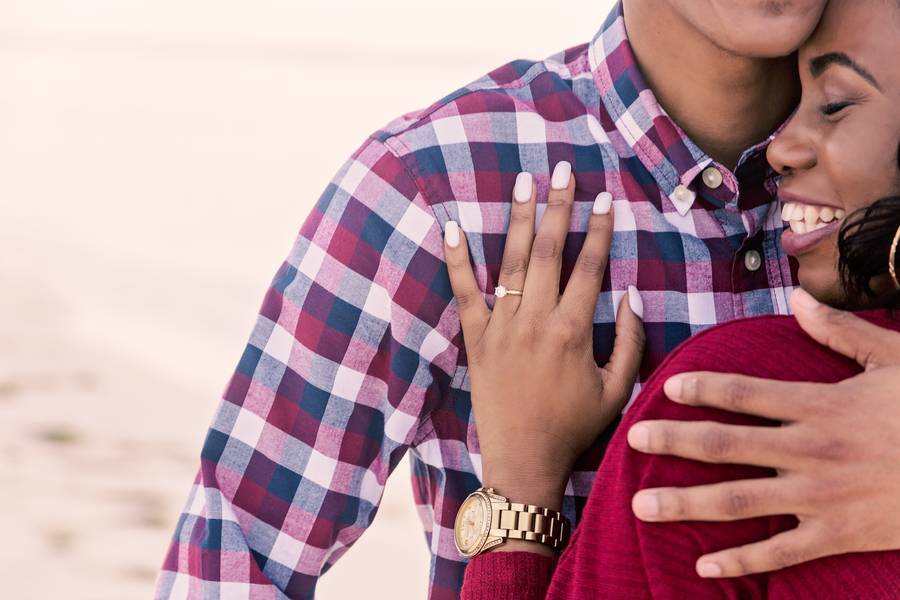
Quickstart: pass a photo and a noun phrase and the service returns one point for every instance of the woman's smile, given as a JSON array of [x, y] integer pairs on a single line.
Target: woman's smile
[[810, 221]]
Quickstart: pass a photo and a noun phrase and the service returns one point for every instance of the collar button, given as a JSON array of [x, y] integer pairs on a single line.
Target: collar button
[[712, 178]]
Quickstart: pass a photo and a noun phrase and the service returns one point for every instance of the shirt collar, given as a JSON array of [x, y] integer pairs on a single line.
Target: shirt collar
[[673, 160]]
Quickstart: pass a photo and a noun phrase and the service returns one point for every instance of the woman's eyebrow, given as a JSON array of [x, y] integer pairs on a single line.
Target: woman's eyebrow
[[820, 64]]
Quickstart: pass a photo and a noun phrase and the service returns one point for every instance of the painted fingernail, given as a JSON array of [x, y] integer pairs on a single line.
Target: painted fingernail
[[645, 505], [451, 233], [635, 302], [602, 203], [562, 173], [639, 437], [674, 387], [805, 299], [709, 569], [522, 190]]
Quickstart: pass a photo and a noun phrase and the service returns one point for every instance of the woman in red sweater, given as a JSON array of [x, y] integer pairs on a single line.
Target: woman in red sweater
[[839, 153]]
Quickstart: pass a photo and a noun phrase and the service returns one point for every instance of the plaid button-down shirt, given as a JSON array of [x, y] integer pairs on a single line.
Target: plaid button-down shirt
[[357, 356]]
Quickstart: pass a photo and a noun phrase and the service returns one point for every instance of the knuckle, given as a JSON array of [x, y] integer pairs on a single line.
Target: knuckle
[[513, 264], [667, 439], [717, 444], [559, 197], [837, 318], [598, 226], [672, 505], [736, 395], [568, 331], [784, 556], [527, 332], [741, 564], [633, 336], [735, 562], [826, 449], [738, 503], [456, 261], [520, 215], [545, 247], [467, 299], [592, 263]]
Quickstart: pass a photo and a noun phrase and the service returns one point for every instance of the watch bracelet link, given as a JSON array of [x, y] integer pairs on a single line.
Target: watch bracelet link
[[532, 523]]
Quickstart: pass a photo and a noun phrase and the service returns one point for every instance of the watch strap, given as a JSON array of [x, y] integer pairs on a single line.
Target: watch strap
[[512, 520]]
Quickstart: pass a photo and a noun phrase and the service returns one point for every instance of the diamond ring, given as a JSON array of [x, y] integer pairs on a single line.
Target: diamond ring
[[502, 290]]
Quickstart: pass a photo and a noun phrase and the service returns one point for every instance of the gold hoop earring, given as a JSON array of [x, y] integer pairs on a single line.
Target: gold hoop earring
[[892, 259]]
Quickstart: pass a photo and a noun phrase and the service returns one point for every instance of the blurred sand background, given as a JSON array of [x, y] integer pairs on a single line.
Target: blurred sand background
[[156, 161]]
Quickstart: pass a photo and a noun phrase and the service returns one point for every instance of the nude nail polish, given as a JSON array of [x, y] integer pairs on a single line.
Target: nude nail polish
[[635, 302], [523, 187], [451, 233], [562, 173]]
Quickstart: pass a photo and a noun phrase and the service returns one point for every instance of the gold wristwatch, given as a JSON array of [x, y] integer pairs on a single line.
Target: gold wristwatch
[[486, 520]]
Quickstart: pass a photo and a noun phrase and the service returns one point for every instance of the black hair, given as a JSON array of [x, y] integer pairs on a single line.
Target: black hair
[[864, 246]]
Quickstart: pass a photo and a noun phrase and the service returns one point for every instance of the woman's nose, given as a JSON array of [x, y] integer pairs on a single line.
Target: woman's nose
[[791, 150]]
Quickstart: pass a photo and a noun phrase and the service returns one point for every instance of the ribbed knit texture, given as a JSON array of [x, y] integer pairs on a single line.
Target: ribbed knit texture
[[490, 576], [614, 555]]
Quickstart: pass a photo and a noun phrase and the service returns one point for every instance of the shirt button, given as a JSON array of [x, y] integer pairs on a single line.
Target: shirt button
[[752, 260], [712, 177], [683, 194]]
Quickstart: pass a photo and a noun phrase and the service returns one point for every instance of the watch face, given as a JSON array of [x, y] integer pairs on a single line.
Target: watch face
[[472, 524]]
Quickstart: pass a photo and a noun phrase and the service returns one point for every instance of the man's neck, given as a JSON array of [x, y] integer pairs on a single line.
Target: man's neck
[[725, 103]]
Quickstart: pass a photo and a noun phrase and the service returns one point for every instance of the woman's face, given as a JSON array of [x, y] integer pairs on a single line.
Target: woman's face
[[839, 152]]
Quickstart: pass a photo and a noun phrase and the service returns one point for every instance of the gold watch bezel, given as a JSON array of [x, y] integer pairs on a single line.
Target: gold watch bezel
[[485, 502]]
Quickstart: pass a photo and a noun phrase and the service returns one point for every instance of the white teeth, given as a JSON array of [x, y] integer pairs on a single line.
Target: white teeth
[[810, 216], [787, 211], [804, 218]]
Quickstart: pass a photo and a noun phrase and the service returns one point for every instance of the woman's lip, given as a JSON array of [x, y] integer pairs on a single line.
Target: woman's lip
[[799, 243], [786, 196]]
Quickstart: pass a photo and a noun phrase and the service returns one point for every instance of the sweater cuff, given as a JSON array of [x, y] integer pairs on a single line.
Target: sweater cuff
[[508, 576]]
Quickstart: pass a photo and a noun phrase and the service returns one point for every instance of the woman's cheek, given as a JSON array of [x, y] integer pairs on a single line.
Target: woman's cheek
[[818, 273]]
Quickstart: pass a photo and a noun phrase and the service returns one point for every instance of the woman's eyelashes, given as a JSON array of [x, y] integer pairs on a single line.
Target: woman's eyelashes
[[831, 109]]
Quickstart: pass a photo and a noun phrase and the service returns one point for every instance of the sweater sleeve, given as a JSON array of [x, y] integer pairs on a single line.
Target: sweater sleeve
[[508, 576]]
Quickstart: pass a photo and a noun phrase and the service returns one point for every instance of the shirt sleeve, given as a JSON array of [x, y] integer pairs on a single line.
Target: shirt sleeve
[[350, 352]]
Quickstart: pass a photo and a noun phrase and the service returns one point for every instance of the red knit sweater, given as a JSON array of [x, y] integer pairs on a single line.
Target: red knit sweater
[[614, 555]]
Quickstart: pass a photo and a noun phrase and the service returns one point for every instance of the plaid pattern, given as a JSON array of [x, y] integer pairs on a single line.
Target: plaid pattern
[[357, 357]]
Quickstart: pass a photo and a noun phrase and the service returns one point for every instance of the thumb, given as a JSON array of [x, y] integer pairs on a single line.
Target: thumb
[[869, 345], [621, 371]]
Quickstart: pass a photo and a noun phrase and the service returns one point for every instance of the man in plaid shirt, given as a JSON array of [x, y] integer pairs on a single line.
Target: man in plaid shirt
[[357, 358]]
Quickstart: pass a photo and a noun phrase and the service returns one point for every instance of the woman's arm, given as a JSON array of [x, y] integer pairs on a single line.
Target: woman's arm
[[539, 399], [843, 438], [619, 556]]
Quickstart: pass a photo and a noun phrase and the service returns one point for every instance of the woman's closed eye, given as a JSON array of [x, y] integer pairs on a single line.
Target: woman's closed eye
[[832, 108]]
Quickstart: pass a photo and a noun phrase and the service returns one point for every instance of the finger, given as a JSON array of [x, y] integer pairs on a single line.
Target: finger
[[729, 501], [713, 442], [785, 549], [517, 248], [777, 400], [580, 296], [869, 345], [473, 311], [620, 373], [541, 289]]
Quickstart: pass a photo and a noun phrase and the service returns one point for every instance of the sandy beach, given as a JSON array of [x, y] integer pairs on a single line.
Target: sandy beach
[[156, 162]]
